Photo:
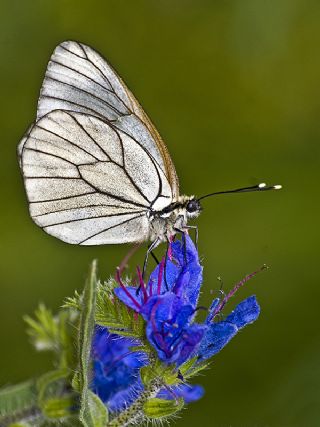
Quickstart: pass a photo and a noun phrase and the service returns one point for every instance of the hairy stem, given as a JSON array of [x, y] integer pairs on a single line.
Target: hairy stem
[[135, 411]]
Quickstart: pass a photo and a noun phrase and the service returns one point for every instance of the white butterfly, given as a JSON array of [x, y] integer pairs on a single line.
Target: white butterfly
[[96, 170]]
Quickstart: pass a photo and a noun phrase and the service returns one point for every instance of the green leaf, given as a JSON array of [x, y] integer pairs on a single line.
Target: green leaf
[[43, 330], [20, 425], [66, 339], [93, 413], [51, 384], [53, 333], [96, 413], [116, 316], [87, 321], [161, 408], [73, 302], [17, 398]]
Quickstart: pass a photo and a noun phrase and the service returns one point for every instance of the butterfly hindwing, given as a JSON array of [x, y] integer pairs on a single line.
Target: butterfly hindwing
[[88, 182]]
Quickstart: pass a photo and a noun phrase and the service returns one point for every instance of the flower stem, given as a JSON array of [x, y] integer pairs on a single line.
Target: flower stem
[[135, 411]]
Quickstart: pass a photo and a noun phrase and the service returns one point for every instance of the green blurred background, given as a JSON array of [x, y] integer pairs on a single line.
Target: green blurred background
[[233, 87]]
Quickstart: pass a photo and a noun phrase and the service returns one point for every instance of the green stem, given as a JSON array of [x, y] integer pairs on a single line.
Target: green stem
[[135, 411]]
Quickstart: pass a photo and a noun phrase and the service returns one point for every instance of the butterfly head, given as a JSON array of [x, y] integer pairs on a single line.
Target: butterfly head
[[193, 207]]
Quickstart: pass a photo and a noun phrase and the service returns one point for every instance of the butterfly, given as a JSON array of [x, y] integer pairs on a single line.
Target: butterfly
[[95, 169]]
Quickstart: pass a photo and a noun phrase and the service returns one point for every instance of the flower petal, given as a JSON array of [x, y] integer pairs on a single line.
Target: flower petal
[[123, 398], [116, 370], [191, 288], [130, 297], [246, 312], [216, 337], [189, 343], [190, 393], [168, 281]]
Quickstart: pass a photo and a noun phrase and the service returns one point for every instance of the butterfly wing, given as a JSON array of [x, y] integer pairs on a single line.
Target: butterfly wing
[[79, 79], [89, 182]]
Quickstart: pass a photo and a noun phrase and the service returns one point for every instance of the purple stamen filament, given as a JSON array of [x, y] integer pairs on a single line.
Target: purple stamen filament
[[235, 289], [161, 268], [171, 239], [142, 285]]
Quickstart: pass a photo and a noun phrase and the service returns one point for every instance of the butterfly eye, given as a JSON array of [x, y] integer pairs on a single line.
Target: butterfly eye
[[193, 206]]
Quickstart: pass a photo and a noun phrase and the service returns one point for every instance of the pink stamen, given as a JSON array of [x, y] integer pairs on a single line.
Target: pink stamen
[[124, 263], [118, 279], [142, 285], [171, 238], [160, 275], [150, 287], [235, 289]]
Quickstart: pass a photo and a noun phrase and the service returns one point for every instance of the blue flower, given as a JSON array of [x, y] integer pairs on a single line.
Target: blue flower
[[170, 329], [116, 373], [189, 393], [116, 370], [218, 334], [168, 303], [182, 275]]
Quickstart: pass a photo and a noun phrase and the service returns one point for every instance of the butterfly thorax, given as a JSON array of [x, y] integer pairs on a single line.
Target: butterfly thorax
[[173, 218]]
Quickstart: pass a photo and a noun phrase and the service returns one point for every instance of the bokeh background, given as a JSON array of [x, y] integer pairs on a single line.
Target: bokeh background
[[233, 87]]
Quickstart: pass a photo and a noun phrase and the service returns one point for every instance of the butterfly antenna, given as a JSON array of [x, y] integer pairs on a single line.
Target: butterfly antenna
[[258, 187]]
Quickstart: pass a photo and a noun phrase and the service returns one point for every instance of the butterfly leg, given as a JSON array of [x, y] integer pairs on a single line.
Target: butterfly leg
[[151, 247], [196, 230], [165, 264], [184, 242], [155, 258]]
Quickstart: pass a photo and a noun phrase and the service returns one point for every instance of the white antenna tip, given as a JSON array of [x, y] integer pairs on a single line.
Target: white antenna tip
[[262, 185], [277, 187]]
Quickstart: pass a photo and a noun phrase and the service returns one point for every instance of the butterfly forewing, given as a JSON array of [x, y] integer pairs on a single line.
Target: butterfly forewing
[[89, 183], [79, 79]]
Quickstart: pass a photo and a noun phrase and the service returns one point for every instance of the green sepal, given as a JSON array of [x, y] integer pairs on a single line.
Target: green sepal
[[155, 370], [169, 374], [147, 374], [76, 382], [186, 367], [161, 408], [58, 407], [140, 348], [195, 369]]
